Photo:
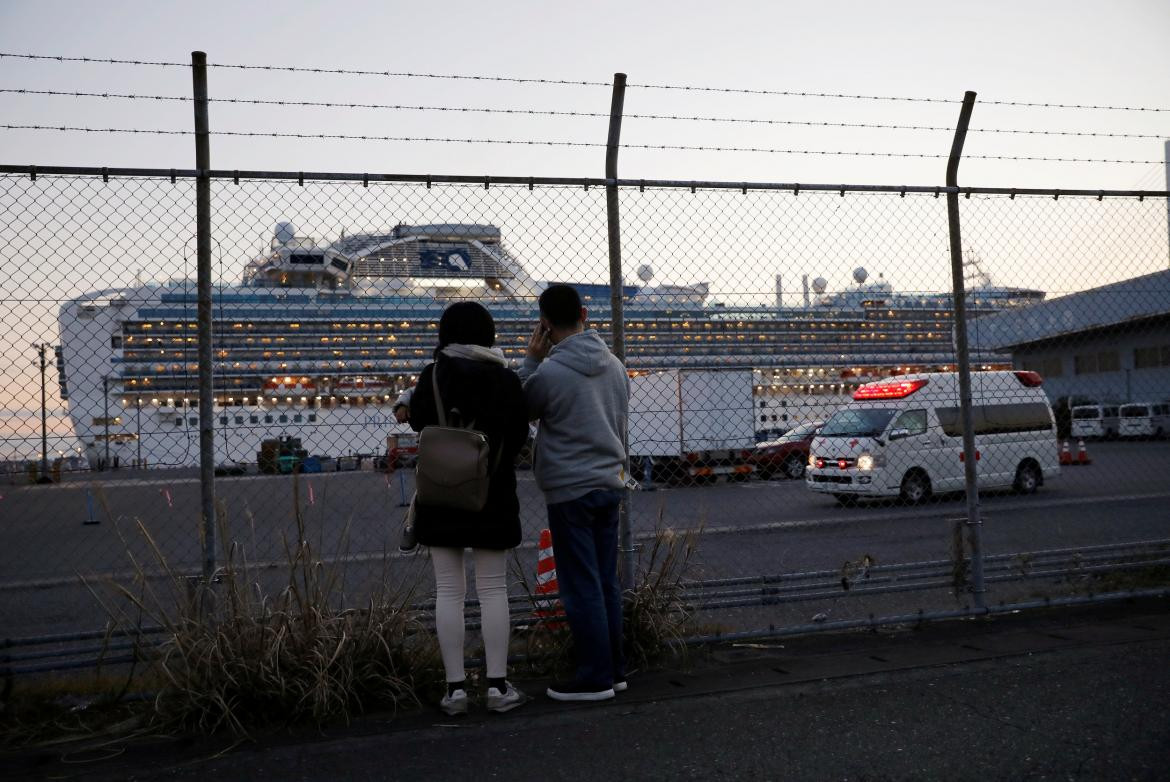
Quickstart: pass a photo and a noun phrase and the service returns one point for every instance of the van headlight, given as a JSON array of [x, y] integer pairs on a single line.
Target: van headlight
[[867, 461]]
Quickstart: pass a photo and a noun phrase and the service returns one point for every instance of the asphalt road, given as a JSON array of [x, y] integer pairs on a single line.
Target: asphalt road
[[750, 528]]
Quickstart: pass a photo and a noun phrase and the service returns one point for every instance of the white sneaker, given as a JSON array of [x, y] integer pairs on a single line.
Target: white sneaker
[[620, 685], [501, 702], [455, 703]]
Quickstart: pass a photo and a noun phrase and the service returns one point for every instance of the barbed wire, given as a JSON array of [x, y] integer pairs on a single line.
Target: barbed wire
[[565, 143], [303, 69], [572, 113], [582, 83], [807, 94]]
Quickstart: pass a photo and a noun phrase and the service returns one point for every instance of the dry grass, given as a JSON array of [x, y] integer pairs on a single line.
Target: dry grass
[[238, 655], [656, 616]]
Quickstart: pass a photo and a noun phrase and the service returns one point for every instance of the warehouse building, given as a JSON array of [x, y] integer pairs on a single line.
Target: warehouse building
[[1109, 344]]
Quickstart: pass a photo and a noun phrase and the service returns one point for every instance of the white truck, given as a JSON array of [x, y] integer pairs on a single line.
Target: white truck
[[691, 424]]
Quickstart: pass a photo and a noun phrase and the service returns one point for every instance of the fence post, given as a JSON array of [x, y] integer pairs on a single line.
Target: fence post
[[617, 314], [203, 286], [974, 518]]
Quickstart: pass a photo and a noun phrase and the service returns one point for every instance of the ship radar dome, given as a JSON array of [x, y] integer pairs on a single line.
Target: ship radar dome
[[860, 275], [284, 232], [820, 285], [645, 272]]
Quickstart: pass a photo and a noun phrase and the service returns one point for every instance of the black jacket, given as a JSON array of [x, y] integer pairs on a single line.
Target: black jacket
[[491, 395]]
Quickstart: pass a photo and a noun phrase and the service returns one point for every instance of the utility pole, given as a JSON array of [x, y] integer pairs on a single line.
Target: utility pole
[[41, 348]]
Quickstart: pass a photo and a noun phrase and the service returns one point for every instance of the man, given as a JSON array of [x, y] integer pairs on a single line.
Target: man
[[580, 395]]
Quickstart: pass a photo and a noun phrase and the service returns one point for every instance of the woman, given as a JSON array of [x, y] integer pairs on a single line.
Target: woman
[[473, 378]]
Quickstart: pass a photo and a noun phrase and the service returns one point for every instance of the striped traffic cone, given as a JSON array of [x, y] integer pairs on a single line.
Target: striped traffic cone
[[546, 584], [1065, 455], [1082, 454]]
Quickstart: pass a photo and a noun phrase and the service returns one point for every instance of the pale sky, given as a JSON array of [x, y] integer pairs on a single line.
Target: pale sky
[[1073, 51]]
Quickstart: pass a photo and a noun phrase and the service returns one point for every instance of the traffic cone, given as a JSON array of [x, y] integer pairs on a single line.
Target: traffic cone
[[1082, 454], [1065, 455], [546, 584]]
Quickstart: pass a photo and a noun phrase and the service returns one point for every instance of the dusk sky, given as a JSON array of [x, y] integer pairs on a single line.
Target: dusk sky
[[1078, 52]]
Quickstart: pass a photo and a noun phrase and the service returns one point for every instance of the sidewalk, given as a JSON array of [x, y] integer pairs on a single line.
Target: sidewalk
[[1072, 695]]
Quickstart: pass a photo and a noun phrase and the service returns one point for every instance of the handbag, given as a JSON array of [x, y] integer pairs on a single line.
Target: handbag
[[454, 462]]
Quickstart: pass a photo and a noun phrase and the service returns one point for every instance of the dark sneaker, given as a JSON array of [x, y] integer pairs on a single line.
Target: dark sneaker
[[620, 685], [575, 691]]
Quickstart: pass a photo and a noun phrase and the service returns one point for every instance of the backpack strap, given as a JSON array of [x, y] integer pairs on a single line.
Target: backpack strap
[[438, 399]]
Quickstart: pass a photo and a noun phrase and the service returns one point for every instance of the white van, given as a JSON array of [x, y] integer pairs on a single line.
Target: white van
[[1100, 421], [1145, 419], [903, 437]]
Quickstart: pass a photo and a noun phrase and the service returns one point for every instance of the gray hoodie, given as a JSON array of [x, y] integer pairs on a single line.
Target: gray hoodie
[[581, 395]]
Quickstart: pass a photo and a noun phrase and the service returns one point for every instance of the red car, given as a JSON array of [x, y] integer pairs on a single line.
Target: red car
[[786, 455]]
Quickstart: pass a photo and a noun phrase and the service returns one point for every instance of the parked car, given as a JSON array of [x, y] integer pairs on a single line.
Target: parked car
[[787, 455]]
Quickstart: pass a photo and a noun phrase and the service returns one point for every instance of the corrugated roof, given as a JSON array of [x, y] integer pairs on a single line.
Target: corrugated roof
[[1110, 305]]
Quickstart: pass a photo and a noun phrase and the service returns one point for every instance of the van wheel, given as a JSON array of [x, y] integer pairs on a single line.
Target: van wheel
[[794, 468], [915, 488], [1027, 478]]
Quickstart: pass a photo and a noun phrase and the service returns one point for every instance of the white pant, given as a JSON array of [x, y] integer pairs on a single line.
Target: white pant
[[491, 588]]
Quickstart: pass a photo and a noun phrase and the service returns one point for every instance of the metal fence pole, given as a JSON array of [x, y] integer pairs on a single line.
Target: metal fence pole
[[970, 457], [203, 285], [617, 314]]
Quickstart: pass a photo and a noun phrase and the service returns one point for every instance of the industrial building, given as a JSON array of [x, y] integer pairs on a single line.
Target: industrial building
[[1109, 344]]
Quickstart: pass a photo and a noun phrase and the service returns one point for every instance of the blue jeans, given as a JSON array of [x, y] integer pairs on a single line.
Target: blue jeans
[[585, 544]]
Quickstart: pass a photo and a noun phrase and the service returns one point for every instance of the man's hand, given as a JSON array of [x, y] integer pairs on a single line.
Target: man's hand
[[539, 343], [401, 413]]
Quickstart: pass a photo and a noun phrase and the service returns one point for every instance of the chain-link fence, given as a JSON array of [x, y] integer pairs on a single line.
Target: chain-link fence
[[794, 396]]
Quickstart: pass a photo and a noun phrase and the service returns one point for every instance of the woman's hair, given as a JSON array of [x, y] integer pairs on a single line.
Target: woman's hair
[[466, 323]]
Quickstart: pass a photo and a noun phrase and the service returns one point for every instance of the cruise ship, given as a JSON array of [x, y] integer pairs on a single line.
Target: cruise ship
[[319, 338]]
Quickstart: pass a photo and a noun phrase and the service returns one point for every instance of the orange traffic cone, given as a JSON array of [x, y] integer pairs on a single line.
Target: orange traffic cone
[[1082, 454], [546, 584], [1065, 455]]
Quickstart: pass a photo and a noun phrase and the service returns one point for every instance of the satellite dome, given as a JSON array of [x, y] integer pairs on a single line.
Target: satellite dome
[[285, 232], [820, 284], [860, 275], [645, 272]]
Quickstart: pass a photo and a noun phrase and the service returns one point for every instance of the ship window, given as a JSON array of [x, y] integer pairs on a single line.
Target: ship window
[[283, 418], [239, 419], [116, 342], [254, 419], [268, 419], [297, 418], [337, 263], [178, 422], [223, 420], [312, 417], [763, 419]]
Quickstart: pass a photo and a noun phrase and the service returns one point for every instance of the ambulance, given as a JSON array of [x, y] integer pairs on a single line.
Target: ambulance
[[903, 437]]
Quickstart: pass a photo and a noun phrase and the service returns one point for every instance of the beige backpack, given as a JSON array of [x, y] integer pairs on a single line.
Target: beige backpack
[[454, 463]]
